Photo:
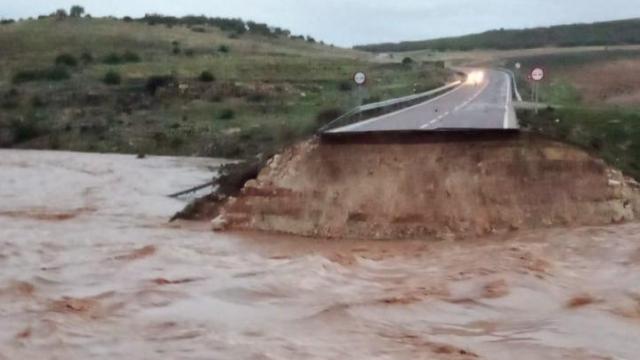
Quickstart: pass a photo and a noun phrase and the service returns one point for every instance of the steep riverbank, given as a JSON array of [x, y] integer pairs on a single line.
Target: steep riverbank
[[390, 187]]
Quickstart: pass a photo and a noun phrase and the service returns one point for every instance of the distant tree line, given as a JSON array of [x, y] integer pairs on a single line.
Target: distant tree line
[[624, 32], [235, 26]]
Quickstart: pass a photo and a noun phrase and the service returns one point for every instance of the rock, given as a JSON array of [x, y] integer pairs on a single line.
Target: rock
[[614, 183], [219, 224]]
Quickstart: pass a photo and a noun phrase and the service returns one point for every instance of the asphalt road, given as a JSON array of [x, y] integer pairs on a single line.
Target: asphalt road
[[486, 104]]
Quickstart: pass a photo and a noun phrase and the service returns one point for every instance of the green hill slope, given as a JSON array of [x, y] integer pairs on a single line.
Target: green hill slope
[[623, 32], [177, 88]]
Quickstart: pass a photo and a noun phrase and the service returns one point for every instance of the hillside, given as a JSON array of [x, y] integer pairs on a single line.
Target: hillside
[[171, 87], [623, 32]]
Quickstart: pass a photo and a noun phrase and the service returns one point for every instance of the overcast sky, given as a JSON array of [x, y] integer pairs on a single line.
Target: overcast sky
[[349, 22]]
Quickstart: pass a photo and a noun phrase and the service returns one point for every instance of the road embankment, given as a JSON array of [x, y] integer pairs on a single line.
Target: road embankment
[[431, 185]]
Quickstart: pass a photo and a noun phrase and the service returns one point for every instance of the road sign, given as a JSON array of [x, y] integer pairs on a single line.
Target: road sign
[[537, 74], [360, 78]]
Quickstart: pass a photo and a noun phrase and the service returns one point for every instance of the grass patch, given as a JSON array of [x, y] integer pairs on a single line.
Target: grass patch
[[612, 133]]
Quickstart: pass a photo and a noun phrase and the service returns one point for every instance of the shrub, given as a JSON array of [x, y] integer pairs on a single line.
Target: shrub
[[226, 114], [86, 57], [407, 61], [327, 115], [37, 102], [345, 85], [23, 130], [130, 56], [112, 59], [127, 19], [116, 59], [198, 29], [190, 52], [76, 11], [176, 50], [155, 82], [60, 14], [225, 49], [7, 21], [206, 76], [56, 73], [112, 77], [66, 60]]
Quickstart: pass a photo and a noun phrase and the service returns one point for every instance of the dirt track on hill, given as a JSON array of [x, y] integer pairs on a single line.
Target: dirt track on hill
[[391, 187]]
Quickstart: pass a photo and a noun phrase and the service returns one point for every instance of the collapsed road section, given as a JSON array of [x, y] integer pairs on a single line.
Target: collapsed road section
[[393, 186]]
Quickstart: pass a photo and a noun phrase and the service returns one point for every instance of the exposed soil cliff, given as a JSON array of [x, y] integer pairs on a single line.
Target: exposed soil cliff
[[393, 186]]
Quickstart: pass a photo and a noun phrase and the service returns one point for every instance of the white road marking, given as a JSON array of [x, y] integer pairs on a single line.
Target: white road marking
[[457, 108], [382, 117]]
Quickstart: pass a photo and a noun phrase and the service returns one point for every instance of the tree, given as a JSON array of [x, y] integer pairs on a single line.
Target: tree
[[61, 14], [76, 11], [407, 61]]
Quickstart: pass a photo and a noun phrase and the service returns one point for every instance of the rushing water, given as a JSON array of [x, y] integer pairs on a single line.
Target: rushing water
[[91, 269]]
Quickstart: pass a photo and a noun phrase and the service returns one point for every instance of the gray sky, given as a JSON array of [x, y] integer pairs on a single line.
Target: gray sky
[[349, 22]]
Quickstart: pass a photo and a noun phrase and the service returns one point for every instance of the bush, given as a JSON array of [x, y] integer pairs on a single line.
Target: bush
[[112, 78], [407, 61], [37, 102], [155, 82], [116, 59], [112, 59], [66, 60], [86, 57], [56, 73], [10, 100], [130, 56], [190, 52], [326, 116], [24, 130], [345, 85], [76, 11], [225, 49], [226, 114], [127, 19], [206, 76], [198, 29]]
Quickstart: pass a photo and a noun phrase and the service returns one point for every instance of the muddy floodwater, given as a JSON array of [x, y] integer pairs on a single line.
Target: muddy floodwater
[[91, 269]]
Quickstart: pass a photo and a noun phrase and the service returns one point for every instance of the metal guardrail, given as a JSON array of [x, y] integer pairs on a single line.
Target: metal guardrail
[[406, 100], [515, 83]]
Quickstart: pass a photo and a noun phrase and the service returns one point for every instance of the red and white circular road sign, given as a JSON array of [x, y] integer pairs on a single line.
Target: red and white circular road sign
[[360, 78], [537, 74]]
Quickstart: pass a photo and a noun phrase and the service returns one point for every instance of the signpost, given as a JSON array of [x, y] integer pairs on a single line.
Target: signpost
[[537, 75]]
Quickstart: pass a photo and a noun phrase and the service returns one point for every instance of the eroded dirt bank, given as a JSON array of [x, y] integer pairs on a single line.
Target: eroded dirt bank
[[399, 186]]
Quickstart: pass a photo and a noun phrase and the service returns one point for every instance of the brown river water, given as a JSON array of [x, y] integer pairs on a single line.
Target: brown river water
[[91, 269]]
